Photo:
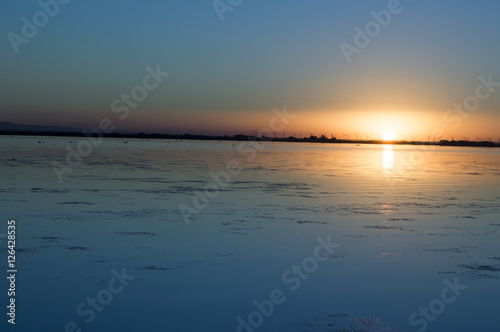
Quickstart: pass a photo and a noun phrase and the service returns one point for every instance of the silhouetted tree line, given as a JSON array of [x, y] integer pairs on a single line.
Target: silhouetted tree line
[[240, 137]]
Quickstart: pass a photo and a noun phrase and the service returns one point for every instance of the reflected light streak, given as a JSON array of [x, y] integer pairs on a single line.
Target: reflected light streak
[[388, 157]]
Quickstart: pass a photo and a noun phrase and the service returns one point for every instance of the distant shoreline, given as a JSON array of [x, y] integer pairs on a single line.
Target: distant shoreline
[[310, 139]]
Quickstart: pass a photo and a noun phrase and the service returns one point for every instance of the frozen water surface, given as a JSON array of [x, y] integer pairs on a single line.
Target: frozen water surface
[[409, 221]]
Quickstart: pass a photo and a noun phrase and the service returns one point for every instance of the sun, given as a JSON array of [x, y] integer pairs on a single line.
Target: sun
[[389, 136]]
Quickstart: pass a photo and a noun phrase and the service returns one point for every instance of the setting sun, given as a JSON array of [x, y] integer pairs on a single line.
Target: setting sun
[[389, 136]]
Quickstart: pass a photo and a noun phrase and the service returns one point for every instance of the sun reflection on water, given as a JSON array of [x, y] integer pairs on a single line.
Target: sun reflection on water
[[388, 157]]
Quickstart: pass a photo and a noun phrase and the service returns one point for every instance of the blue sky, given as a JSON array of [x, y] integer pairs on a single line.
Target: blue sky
[[228, 75]]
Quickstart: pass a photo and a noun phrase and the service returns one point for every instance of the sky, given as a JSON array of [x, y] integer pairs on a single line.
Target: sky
[[231, 62]]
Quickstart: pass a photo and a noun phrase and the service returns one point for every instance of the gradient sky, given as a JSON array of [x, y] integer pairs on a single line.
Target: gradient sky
[[226, 76]]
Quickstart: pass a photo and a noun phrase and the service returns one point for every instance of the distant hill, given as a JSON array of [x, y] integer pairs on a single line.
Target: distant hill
[[7, 126]]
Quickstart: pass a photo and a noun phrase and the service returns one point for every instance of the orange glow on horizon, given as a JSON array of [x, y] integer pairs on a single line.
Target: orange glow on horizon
[[405, 124]]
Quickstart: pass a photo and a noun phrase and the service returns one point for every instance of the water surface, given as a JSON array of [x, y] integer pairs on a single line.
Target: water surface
[[406, 218]]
